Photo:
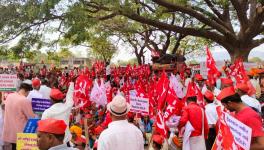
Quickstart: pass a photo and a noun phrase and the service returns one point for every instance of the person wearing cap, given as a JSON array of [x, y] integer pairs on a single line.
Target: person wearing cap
[[35, 92], [232, 101], [242, 90], [51, 133], [76, 132], [120, 134], [226, 82], [212, 117], [196, 116], [200, 81], [60, 109], [18, 110]]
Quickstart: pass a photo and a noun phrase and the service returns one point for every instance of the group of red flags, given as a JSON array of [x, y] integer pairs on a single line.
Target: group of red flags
[[163, 101]]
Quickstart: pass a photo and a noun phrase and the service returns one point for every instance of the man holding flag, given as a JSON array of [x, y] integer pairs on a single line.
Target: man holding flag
[[232, 101]]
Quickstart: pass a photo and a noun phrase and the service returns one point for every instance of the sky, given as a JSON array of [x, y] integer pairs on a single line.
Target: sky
[[219, 53]]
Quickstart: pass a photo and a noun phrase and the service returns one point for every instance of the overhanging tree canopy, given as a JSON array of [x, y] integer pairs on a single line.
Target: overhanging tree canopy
[[237, 25]]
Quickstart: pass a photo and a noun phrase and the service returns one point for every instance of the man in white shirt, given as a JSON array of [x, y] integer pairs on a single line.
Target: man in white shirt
[[120, 134], [44, 89], [242, 90], [60, 110], [35, 92], [211, 115]]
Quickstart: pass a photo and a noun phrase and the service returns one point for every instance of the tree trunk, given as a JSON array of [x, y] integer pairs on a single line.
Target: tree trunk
[[239, 53], [139, 60]]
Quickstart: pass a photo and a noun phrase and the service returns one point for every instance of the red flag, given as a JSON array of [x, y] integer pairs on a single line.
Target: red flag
[[238, 71], [224, 139], [152, 102], [200, 99], [107, 120], [81, 90], [160, 125], [162, 89], [212, 71], [174, 105], [193, 90]]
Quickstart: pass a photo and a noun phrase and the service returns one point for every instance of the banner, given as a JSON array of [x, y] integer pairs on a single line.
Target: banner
[[31, 126], [8, 82], [39, 105], [26, 141], [139, 104], [241, 132]]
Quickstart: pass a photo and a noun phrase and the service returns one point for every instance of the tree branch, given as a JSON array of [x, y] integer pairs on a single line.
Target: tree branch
[[240, 7], [147, 6], [177, 44], [211, 6], [44, 20], [257, 42], [108, 16], [187, 31], [252, 10], [198, 16]]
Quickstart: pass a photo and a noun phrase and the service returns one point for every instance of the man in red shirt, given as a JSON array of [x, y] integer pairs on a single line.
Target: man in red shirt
[[194, 114], [245, 114]]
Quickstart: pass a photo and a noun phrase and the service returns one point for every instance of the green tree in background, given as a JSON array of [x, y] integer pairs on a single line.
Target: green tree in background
[[237, 25], [102, 48], [255, 60], [65, 53]]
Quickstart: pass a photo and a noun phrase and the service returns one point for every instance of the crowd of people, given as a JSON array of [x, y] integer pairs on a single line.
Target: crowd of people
[[82, 121]]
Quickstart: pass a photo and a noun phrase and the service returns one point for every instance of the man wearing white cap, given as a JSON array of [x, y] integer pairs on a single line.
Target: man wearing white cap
[[120, 134]]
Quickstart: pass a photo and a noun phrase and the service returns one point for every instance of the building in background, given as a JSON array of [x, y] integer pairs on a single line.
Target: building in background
[[75, 62]]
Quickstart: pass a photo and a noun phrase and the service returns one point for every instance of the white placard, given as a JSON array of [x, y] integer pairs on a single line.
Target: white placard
[[241, 132], [139, 104], [8, 82]]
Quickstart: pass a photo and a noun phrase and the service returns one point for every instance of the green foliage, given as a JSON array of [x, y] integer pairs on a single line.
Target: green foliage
[[194, 45], [65, 53], [102, 48], [39, 57], [53, 57], [255, 60], [126, 62]]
